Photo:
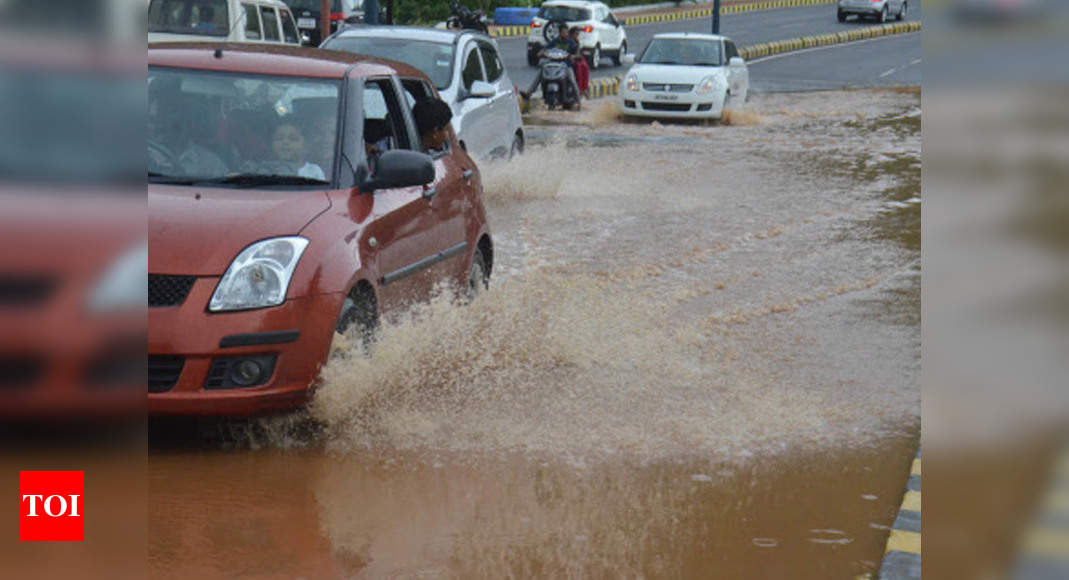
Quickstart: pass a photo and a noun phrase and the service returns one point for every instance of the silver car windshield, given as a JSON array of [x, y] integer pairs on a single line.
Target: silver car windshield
[[434, 59], [684, 52], [240, 129]]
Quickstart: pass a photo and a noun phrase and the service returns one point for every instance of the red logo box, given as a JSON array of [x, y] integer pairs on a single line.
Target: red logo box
[[52, 506]]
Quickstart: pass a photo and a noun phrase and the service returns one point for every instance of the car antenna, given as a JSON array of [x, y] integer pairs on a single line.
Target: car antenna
[[222, 45]]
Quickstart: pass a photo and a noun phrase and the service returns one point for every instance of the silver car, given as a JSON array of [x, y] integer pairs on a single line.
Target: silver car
[[466, 68], [881, 10]]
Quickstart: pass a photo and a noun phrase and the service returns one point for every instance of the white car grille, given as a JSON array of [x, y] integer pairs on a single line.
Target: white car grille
[[667, 88]]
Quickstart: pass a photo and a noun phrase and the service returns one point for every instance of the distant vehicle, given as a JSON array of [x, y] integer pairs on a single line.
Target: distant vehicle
[[462, 17], [466, 68], [556, 90], [256, 21], [308, 12], [685, 75], [290, 196], [880, 10], [600, 33]]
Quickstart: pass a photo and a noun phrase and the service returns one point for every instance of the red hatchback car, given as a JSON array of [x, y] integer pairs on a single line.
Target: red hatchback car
[[289, 196]]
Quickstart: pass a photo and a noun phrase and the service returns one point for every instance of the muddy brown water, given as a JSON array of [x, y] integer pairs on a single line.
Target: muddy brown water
[[699, 358]]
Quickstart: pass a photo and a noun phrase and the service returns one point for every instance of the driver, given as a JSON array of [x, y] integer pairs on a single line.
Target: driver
[[564, 42]]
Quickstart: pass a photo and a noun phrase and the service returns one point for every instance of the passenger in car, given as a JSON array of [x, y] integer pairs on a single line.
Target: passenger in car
[[290, 157], [377, 138], [432, 118]]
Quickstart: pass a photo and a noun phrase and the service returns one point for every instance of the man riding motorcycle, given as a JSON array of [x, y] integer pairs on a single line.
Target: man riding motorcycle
[[563, 42]]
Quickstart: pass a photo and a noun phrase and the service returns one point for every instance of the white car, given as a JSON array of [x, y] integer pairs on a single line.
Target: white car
[[466, 69], [682, 75], [256, 21], [600, 33], [881, 10]]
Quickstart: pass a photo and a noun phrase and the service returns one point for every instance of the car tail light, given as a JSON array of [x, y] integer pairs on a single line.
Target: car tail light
[[536, 24], [337, 16], [588, 29]]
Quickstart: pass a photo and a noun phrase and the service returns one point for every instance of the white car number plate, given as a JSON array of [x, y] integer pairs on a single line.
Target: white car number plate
[[306, 23], [665, 97]]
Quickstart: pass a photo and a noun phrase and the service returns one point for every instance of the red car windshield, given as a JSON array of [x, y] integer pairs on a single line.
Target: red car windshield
[[240, 129]]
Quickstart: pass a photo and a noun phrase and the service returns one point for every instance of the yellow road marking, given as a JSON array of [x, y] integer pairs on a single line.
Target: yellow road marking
[[912, 501], [1052, 543], [903, 541]]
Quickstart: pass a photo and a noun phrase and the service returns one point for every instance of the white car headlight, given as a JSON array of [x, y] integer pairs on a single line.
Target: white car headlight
[[123, 285], [632, 82], [706, 85], [259, 276]]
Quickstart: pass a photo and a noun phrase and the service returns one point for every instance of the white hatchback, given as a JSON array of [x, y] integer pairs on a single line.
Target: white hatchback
[[466, 69], [600, 33], [691, 76]]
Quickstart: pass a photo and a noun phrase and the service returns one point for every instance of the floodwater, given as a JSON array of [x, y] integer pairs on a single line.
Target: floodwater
[[699, 358]]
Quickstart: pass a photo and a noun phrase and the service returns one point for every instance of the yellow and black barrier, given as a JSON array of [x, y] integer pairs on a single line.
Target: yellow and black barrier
[[780, 46], [902, 557], [729, 9], [509, 31]]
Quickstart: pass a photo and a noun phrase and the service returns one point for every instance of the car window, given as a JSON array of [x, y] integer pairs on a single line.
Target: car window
[[473, 70], [433, 59], [384, 121], [566, 13], [686, 52], [252, 22], [289, 29], [730, 50], [611, 18], [492, 61], [270, 23], [203, 17]]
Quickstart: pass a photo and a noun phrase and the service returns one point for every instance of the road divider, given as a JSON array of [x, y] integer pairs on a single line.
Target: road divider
[[902, 557], [736, 8], [764, 49], [606, 86]]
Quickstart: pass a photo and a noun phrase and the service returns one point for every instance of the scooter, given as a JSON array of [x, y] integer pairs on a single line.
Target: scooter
[[556, 90], [463, 18]]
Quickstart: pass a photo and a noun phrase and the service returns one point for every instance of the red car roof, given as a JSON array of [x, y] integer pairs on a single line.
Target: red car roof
[[274, 60]]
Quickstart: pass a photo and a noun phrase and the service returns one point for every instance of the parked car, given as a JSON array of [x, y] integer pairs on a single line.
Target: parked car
[[685, 75], [308, 12], [600, 33], [880, 10], [466, 68], [255, 21], [273, 221]]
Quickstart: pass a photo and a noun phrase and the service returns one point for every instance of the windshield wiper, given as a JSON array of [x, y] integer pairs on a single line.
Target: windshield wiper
[[255, 179], [706, 64]]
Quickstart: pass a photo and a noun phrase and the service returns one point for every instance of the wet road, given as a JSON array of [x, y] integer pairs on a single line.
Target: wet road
[[699, 358], [745, 29]]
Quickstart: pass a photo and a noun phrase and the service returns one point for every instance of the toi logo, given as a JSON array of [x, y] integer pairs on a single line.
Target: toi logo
[[51, 506]]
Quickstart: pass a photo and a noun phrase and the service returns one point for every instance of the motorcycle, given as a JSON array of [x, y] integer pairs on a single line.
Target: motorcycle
[[463, 18], [556, 90]]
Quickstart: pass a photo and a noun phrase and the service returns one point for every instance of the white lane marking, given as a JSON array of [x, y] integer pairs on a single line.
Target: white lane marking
[[888, 72], [816, 48], [915, 61]]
